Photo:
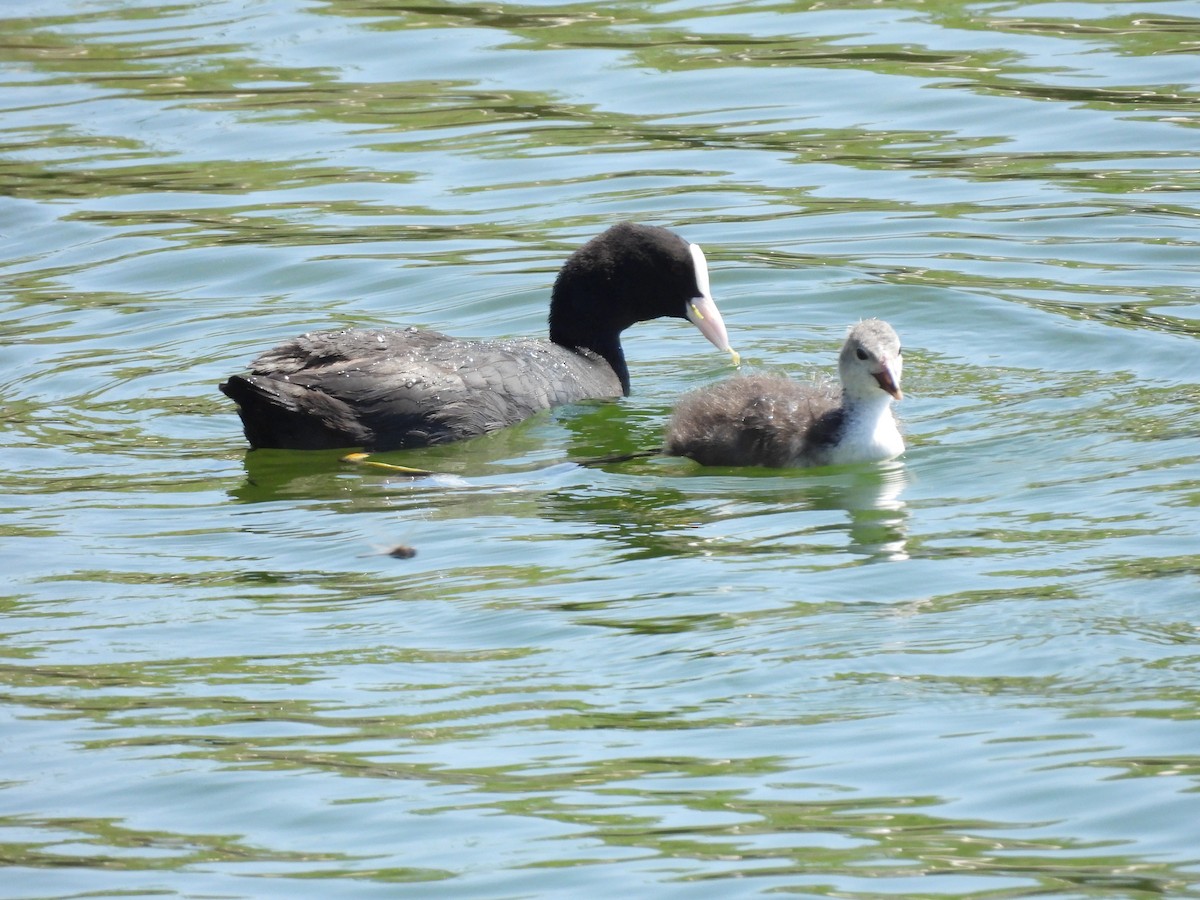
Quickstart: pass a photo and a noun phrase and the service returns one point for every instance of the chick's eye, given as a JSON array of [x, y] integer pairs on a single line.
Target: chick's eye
[[861, 353]]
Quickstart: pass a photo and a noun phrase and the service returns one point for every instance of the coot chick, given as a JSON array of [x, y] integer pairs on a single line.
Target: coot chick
[[395, 388], [770, 420]]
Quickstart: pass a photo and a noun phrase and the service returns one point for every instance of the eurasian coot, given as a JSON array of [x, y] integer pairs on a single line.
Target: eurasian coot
[[395, 388]]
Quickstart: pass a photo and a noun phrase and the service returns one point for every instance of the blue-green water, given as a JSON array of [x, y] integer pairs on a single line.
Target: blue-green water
[[969, 673]]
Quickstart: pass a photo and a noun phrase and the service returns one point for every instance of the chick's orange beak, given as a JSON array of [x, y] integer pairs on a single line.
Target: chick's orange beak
[[888, 382]]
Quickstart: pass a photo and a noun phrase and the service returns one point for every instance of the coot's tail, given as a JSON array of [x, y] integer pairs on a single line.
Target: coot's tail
[[279, 414]]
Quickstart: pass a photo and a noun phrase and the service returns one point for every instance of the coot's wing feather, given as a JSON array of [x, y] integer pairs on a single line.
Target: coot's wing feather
[[328, 352], [391, 389]]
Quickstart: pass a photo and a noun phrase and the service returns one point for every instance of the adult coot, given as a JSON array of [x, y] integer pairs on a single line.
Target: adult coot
[[770, 420], [394, 388]]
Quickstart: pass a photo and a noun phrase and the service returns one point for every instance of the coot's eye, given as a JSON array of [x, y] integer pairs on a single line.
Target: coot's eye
[[862, 354]]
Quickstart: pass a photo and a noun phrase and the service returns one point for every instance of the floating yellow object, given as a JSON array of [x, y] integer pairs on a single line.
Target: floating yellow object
[[364, 459]]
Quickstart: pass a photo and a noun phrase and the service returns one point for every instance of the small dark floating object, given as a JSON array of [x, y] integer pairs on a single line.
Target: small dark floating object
[[395, 388], [770, 420], [402, 551]]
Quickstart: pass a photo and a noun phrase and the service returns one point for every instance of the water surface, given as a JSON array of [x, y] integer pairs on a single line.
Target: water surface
[[967, 673]]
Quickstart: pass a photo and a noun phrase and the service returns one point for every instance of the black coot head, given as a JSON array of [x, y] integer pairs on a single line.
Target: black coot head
[[630, 273]]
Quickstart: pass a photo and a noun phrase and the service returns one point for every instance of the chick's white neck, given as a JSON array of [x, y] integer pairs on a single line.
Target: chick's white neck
[[869, 432]]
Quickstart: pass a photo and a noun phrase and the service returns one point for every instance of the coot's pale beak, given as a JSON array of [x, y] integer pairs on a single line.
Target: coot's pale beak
[[888, 382], [702, 311]]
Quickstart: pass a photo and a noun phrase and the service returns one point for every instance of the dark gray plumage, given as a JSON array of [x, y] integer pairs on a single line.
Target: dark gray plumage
[[770, 420], [397, 388]]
